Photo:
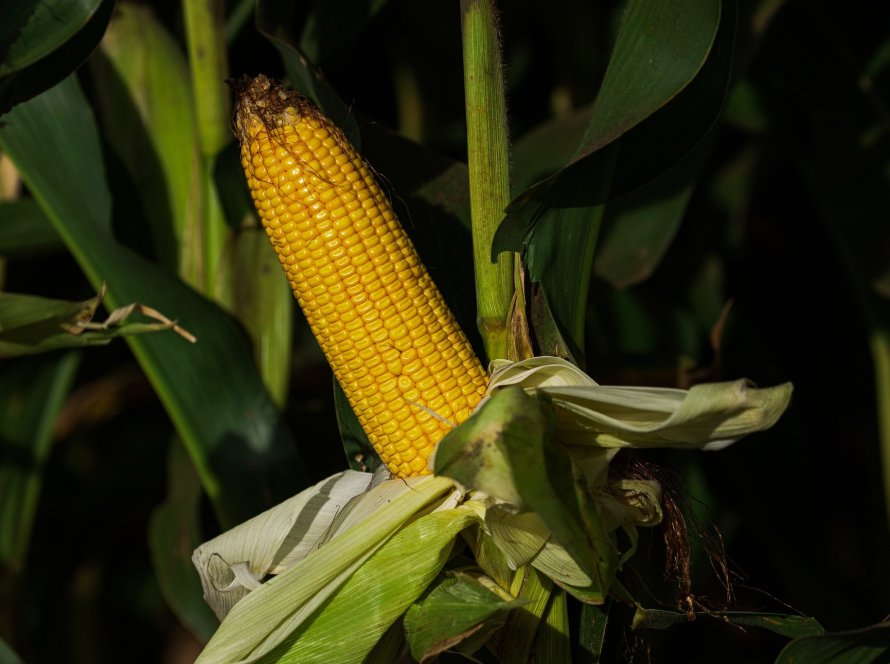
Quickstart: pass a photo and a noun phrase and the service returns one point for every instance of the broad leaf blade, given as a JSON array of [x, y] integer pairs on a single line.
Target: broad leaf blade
[[253, 287], [70, 42], [268, 615], [32, 391], [211, 389], [272, 19], [639, 227], [331, 26], [558, 219], [457, 609], [379, 592], [30, 324], [33, 29], [672, 37], [25, 230], [862, 646], [783, 624], [145, 103], [173, 533]]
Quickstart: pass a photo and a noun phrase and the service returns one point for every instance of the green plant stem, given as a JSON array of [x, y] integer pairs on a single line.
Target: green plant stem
[[488, 156], [208, 64], [205, 33]]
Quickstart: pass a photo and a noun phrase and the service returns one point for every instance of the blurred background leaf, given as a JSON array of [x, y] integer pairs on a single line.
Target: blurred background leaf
[[862, 646], [42, 42], [32, 391], [54, 142], [558, 219]]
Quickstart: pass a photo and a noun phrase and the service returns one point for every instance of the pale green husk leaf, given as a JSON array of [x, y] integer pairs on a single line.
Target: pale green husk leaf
[[459, 613], [380, 591], [236, 562], [265, 618], [709, 416], [524, 539]]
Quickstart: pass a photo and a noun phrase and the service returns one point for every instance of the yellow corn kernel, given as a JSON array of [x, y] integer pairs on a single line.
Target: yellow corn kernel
[[355, 272]]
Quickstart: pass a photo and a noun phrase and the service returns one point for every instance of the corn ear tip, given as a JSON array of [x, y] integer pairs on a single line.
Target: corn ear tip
[[273, 104]]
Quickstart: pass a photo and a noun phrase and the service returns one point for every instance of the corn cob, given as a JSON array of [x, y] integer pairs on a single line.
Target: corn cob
[[404, 364]]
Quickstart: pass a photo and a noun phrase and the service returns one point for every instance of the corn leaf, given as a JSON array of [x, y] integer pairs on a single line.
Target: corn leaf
[[391, 647], [360, 454], [379, 592], [211, 389], [329, 27], [791, 626], [236, 562], [592, 632], [639, 227], [656, 56], [547, 148], [32, 391], [8, 655], [505, 450], [44, 41], [514, 644], [173, 533], [269, 614], [459, 609], [33, 29], [709, 415], [846, 175], [861, 646], [30, 324], [251, 286], [25, 230], [147, 115], [272, 20], [524, 539], [553, 644]]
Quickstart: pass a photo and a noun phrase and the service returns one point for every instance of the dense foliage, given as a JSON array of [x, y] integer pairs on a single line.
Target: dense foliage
[[720, 212]]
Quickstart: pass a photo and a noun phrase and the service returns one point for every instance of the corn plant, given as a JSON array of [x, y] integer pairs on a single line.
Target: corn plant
[[531, 339]]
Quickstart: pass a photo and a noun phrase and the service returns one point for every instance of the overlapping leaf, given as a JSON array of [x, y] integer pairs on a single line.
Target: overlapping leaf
[[210, 389]]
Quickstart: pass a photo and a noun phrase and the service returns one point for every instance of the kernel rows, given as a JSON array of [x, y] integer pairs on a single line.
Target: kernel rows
[[390, 338]]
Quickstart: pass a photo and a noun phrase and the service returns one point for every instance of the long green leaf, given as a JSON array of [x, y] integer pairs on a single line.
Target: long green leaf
[[862, 646], [660, 49], [846, 174], [456, 610], [25, 230], [786, 625], [7, 654], [252, 286], [594, 620], [639, 227], [32, 391], [330, 26], [144, 94], [173, 533], [32, 29], [272, 19], [30, 324], [211, 389], [379, 592], [48, 39]]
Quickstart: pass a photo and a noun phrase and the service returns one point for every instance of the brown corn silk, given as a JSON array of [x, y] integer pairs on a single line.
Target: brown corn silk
[[405, 365]]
